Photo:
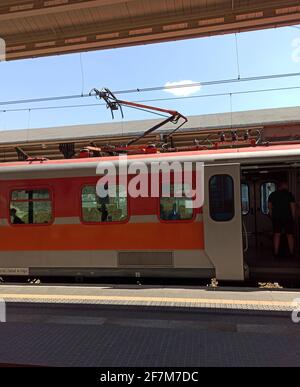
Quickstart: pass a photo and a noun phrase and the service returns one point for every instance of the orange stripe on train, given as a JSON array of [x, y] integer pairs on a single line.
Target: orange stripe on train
[[186, 236]]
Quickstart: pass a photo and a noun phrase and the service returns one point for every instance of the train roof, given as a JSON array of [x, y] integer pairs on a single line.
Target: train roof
[[206, 154], [287, 154]]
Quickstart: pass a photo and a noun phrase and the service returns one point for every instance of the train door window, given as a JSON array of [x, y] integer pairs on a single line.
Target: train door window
[[245, 198], [265, 191], [221, 198], [109, 209], [176, 206], [31, 206]]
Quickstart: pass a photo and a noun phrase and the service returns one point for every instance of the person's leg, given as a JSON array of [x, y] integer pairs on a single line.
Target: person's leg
[[276, 235], [276, 241], [289, 229], [290, 238]]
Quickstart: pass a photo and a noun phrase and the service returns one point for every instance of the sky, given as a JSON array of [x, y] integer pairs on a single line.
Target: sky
[[265, 52]]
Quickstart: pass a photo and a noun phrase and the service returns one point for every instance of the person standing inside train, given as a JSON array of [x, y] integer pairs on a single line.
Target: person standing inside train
[[282, 210], [14, 218]]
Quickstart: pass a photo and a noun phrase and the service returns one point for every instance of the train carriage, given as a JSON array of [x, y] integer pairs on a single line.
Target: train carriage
[[51, 223]]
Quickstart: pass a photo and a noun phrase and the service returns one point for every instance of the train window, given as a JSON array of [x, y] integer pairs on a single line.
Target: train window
[[109, 209], [175, 208], [265, 191], [31, 206], [221, 198], [245, 198]]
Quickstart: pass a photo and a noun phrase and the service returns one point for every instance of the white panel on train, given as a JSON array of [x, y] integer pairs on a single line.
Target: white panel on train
[[222, 220]]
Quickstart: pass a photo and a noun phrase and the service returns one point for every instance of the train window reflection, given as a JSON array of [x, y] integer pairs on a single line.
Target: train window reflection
[[265, 191], [221, 198], [245, 198], [30, 206], [176, 208], [108, 209]]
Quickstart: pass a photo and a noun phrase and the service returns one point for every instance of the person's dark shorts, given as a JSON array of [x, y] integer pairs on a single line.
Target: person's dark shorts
[[286, 226]]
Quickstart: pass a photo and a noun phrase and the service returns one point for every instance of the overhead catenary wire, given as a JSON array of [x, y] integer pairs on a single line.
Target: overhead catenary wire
[[156, 88], [155, 100], [231, 110], [82, 73], [237, 57], [209, 83]]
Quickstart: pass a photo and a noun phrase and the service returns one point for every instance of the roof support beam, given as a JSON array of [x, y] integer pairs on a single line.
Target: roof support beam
[[37, 8], [142, 29]]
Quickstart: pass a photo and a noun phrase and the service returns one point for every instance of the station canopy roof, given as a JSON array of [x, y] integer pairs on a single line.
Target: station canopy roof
[[33, 28]]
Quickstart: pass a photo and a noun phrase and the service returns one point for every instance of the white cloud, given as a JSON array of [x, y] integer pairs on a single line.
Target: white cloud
[[182, 91]]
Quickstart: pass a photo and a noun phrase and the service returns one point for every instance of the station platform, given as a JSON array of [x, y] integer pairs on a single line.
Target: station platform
[[148, 326], [189, 297]]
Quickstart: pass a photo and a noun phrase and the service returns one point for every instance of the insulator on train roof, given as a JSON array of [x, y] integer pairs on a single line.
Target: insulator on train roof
[[246, 135], [234, 136], [222, 137]]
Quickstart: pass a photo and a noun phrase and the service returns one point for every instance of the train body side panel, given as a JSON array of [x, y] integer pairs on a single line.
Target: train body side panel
[[223, 230], [70, 243]]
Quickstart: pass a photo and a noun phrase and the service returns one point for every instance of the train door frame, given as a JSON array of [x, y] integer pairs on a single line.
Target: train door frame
[[223, 238], [260, 250]]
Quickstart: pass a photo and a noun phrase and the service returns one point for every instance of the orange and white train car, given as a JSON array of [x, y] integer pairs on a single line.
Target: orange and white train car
[[51, 225]]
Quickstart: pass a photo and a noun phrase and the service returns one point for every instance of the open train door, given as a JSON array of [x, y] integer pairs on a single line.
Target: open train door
[[223, 220]]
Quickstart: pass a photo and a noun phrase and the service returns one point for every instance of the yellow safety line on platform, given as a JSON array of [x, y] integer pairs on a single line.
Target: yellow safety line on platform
[[144, 299]]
